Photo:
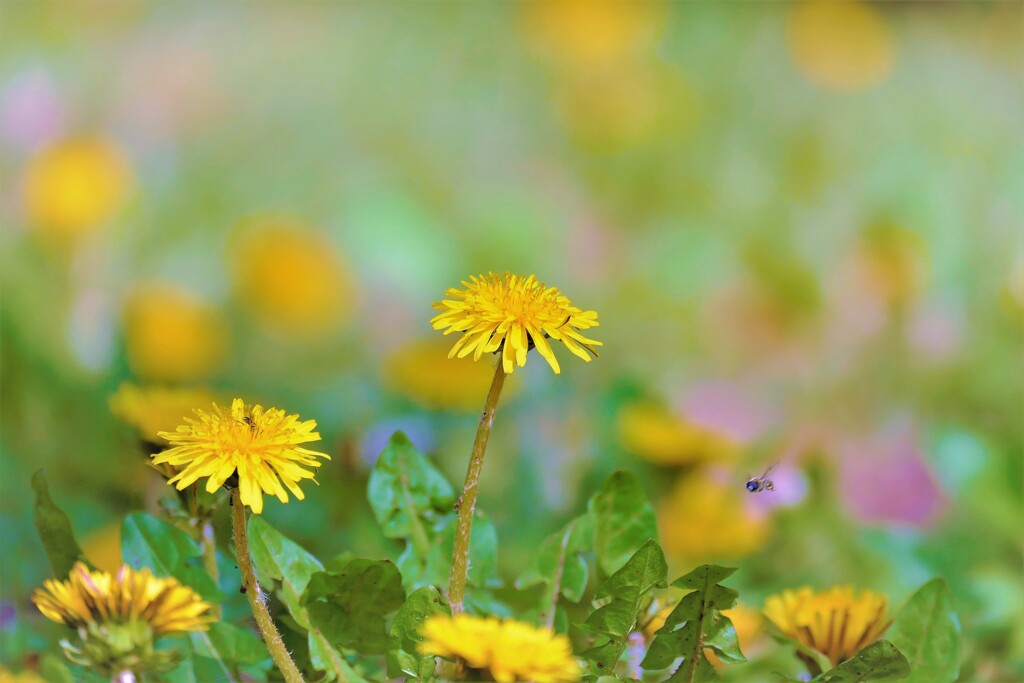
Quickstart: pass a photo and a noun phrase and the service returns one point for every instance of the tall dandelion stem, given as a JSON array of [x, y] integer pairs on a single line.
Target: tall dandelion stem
[[271, 636], [467, 501]]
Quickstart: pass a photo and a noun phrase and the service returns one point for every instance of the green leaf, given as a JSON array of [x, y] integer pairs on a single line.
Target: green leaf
[[927, 632], [53, 670], [279, 559], [407, 493], [879, 661], [229, 643], [150, 542], [403, 658], [559, 560], [628, 588], [349, 606], [55, 531], [623, 520], [483, 555], [696, 624]]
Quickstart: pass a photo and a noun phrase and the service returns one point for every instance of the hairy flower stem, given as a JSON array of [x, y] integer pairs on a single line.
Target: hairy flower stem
[[252, 591], [467, 501]]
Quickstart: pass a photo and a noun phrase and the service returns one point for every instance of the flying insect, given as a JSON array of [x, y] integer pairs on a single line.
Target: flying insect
[[762, 483]]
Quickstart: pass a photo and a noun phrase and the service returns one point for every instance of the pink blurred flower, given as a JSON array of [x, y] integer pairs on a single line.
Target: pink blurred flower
[[936, 332], [31, 110], [885, 478], [726, 408]]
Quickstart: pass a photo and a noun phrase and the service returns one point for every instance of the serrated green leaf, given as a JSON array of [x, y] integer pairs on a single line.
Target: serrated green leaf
[[403, 658], [349, 606], [880, 661], [54, 527], [279, 559], [229, 643], [623, 520], [559, 559], [150, 542], [611, 624], [696, 624], [927, 632], [407, 493]]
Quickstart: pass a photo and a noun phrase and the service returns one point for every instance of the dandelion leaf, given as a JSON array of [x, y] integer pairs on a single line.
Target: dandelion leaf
[[55, 530], [402, 657], [623, 520], [927, 632]]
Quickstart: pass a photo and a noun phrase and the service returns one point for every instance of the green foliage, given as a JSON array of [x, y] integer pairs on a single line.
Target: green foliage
[[349, 605], [55, 530], [696, 623], [150, 542], [559, 561], [230, 643], [880, 661], [403, 658], [281, 560], [623, 520], [927, 632], [627, 590], [407, 493]]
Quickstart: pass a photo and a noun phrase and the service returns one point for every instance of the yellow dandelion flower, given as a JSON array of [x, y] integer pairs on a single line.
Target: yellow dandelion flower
[[171, 335], [154, 409], [96, 597], [290, 277], [26, 676], [260, 448], [509, 650], [838, 622], [512, 314], [842, 45], [703, 519], [659, 436], [103, 547], [75, 185]]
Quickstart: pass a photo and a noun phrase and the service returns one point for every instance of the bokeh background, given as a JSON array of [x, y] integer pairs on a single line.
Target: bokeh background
[[801, 225]]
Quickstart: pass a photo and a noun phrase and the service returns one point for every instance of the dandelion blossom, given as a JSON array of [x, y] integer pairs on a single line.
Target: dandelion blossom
[[153, 409], [258, 448], [94, 597], [838, 622], [510, 650], [512, 314]]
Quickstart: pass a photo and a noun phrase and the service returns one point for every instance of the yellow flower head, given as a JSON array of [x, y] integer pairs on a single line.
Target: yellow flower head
[[261, 447], [511, 313], [75, 185], [170, 335], [131, 595], [26, 676], [510, 650], [837, 622], [657, 435], [291, 278], [154, 409]]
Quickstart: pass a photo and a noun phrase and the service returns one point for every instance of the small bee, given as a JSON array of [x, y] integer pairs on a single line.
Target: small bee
[[762, 483], [251, 423]]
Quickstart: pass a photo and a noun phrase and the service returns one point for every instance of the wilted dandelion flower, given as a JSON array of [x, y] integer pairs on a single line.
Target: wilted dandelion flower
[[260, 448], [512, 314], [509, 650], [838, 622], [154, 409], [118, 616]]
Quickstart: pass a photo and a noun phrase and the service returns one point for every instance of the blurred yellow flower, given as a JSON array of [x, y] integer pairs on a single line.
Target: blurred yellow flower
[[702, 520], [509, 650], [75, 185], [171, 335], [290, 277], [837, 622], [512, 314], [103, 548], [153, 409], [258, 448], [587, 33], [96, 597], [841, 45], [652, 432], [26, 676], [420, 371]]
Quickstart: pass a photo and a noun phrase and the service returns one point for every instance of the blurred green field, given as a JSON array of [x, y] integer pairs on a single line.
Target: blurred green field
[[801, 226]]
